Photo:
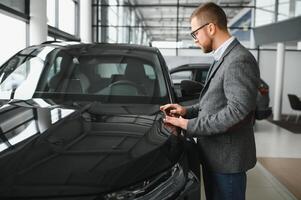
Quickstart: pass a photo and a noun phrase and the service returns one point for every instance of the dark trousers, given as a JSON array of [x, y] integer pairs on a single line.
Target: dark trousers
[[220, 186]]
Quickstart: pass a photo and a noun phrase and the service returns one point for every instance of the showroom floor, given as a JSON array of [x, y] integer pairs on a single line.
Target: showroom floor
[[275, 147]]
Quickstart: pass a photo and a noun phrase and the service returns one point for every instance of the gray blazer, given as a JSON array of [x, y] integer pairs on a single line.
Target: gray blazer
[[221, 120]]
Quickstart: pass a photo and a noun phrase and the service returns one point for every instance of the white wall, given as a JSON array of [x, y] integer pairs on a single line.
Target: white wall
[[12, 36]]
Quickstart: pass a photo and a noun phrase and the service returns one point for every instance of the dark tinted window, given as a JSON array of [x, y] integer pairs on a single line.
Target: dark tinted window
[[49, 72], [200, 75]]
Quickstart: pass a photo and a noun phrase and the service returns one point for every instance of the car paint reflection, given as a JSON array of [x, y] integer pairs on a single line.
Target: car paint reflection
[[20, 123], [103, 150]]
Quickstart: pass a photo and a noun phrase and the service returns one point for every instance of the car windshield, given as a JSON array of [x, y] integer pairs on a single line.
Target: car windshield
[[87, 74]]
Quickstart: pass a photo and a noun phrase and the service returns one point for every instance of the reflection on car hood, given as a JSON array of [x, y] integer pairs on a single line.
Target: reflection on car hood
[[50, 150]]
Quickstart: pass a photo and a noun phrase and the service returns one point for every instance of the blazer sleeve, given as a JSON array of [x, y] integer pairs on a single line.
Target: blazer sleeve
[[192, 111], [240, 83]]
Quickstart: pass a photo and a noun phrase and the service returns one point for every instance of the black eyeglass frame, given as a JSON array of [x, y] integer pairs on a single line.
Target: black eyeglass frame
[[193, 35]]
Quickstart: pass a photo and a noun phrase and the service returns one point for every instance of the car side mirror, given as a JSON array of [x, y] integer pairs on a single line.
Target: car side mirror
[[191, 88]]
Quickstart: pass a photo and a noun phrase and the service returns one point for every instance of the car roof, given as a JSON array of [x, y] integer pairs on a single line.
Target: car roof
[[113, 46], [191, 66]]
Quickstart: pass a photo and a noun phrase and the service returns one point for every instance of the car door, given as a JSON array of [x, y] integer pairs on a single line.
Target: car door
[[178, 76], [191, 74], [200, 75]]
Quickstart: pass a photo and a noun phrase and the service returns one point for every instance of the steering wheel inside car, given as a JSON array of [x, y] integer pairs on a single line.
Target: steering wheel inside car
[[126, 87]]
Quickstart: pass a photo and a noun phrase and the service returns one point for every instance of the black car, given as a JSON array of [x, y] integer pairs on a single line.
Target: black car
[[194, 71], [82, 121], [197, 72]]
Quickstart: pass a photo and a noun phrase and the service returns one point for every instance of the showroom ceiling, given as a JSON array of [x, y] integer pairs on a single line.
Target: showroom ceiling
[[168, 20]]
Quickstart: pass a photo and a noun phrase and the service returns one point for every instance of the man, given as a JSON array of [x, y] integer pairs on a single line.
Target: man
[[222, 120]]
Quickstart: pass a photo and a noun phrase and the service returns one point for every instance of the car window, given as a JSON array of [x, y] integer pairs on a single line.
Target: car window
[[133, 77], [55, 67], [19, 79], [49, 72], [107, 70], [149, 71], [177, 77], [16, 76], [201, 75]]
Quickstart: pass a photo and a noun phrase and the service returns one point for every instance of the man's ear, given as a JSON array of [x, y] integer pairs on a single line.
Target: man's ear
[[212, 29]]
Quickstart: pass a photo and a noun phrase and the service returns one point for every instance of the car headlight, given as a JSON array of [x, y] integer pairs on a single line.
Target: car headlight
[[163, 186]]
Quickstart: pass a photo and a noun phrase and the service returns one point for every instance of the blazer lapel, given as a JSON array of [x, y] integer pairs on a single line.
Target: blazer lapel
[[216, 66]]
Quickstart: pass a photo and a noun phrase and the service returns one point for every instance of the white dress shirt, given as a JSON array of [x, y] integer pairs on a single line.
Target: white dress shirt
[[217, 54]]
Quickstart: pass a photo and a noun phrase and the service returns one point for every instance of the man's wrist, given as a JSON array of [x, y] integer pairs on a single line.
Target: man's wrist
[[184, 123]]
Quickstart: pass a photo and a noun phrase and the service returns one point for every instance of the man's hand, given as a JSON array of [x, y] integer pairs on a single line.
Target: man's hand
[[179, 122], [173, 110]]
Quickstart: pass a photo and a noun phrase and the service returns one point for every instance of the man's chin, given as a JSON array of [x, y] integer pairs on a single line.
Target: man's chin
[[206, 50]]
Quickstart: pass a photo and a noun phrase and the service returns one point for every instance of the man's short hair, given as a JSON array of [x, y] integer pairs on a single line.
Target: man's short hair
[[211, 13]]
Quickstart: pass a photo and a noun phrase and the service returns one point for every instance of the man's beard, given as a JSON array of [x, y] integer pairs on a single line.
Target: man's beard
[[207, 48]]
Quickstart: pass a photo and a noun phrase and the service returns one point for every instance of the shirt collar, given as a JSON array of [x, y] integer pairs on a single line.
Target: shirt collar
[[217, 54]]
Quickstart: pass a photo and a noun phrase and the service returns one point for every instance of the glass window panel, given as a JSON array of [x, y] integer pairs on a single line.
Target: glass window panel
[[298, 8], [201, 76], [16, 78], [127, 15], [263, 18], [55, 68], [112, 21], [15, 29], [112, 37], [113, 5], [243, 35], [145, 38], [265, 12], [149, 71], [283, 10], [106, 70], [95, 15], [177, 77], [22, 79], [18, 5], [67, 16]]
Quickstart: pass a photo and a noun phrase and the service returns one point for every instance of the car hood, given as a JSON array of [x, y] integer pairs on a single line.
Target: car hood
[[51, 150]]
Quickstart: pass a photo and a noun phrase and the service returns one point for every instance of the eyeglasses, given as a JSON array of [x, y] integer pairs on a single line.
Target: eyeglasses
[[193, 33]]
